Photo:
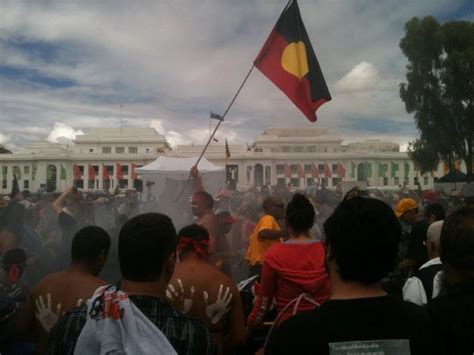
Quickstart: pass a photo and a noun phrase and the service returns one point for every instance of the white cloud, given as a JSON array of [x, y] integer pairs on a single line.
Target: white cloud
[[5, 138], [63, 133], [364, 76]]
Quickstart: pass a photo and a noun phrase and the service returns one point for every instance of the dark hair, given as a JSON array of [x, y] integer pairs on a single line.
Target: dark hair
[[457, 239], [300, 213], [194, 232], [145, 243], [269, 202], [436, 210], [89, 243], [363, 236], [209, 199]]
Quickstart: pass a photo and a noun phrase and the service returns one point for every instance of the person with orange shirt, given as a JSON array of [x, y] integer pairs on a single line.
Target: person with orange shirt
[[267, 232]]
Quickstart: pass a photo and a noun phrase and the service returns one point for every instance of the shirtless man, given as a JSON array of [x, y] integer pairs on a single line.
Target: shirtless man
[[62, 291], [202, 204], [202, 292]]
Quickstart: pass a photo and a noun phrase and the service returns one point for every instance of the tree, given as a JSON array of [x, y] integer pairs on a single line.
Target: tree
[[4, 150], [440, 90]]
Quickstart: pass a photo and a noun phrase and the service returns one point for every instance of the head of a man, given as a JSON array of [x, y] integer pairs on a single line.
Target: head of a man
[[457, 244], [433, 239], [147, 248], [201, 202], [362, 237], [434, 212], [193, 240], [90, 247], [274, 206], [407, 210]]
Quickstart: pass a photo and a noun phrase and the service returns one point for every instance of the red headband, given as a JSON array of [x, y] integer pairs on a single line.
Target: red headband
[[200, 247]]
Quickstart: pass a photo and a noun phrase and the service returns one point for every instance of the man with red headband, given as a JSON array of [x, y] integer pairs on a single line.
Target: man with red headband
[[202, 292], [201, 205]]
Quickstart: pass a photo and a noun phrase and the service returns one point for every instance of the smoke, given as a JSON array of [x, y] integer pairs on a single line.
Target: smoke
[[63, 133], [174, 138]]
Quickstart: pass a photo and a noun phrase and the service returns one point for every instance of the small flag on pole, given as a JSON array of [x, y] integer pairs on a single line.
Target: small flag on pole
[[215, 116], [288, 60], [227, 151]]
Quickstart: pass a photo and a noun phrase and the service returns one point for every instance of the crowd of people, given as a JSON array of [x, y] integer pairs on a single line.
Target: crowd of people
[[269, 270]]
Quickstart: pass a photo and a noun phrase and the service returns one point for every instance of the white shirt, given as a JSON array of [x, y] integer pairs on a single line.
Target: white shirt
[[413, 290]]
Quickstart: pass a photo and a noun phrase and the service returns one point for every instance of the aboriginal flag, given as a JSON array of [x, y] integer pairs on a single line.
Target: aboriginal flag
[[288, 60]]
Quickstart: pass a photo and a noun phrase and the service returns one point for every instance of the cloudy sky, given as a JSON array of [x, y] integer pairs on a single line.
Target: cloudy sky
[[67, 66]]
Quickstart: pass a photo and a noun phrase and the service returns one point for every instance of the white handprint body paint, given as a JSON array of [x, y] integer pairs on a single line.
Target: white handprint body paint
[[46, 316], [44, 313], [176, 295], [219, 308]]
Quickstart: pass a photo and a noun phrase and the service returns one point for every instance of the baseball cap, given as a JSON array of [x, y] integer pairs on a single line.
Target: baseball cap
[[405, 205]]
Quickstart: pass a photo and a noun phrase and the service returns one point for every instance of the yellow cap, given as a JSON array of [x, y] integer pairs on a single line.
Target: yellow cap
[[405, 205]]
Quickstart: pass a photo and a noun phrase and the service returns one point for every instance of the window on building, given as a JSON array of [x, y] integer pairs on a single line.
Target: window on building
[[26, 184], [286, 149], [295, 182], [133, 150], [396, 181], [311, 148], [324, 181], [280, 181], [81, 169], [321, 168], [307, 168], [26, 169], [294, 168], [335, 181], [416, 180], [91, 184], [385, 181], [405, 180], [119, 150], [426, 180], [91, 150], [123, 184], [309, 181], [106, 150], [299, 149], [4, 184], [5, 170], [280, 168], [79, 184], [334, 168]]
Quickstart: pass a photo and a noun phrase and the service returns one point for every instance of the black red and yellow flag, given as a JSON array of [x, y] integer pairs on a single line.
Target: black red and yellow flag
[[288, 60]]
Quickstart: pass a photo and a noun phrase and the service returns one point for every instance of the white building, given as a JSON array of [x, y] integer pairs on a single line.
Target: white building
[[106, 158]]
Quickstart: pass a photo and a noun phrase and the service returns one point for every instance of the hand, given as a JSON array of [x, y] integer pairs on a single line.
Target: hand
[[45, 315], [177, 296], [218, 309], [194, 172]]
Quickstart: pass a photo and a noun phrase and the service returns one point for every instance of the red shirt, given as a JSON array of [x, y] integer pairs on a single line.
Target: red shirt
[[290, 269]]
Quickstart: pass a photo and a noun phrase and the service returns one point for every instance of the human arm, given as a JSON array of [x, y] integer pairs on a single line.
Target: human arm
[[58, 203], [197, 179], [264, 297], [271, 234]]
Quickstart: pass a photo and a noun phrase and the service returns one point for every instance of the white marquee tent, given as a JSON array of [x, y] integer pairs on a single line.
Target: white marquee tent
[[170, 174]]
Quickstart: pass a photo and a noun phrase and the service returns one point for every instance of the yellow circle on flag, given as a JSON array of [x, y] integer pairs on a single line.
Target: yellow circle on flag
[[294, 59]]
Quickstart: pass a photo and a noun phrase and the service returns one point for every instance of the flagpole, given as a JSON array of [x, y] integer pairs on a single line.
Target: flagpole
[[215, 129]]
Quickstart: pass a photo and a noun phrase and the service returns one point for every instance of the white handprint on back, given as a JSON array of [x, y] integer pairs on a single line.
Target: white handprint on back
[[219, 308]]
